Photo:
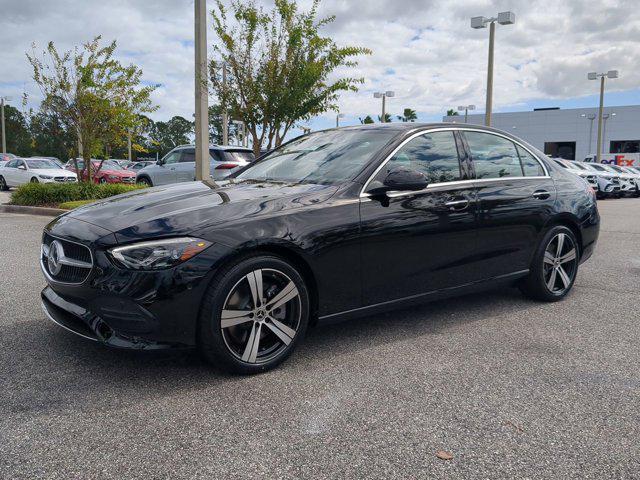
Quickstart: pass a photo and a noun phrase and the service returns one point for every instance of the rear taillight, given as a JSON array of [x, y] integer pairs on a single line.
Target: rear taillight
[[226, 166]]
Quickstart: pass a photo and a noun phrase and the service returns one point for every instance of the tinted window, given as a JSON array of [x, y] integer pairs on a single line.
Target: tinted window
[[41, 164], [434, 154], [215, 155], [12, 164], [238, 156], [530, 165], [493, 156], [188, 155], [329, 157]]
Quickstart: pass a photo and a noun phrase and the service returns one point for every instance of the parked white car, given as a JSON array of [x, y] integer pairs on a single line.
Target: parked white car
[[579, 170], [35, 170], [635, 174], [608, 183], [627, 182]]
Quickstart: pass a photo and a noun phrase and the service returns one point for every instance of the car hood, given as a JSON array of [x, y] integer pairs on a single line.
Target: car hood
[[184, 208], [53, 172]]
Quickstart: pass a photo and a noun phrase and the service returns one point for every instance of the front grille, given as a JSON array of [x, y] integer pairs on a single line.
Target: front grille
[[75, 264], [129, 179], [64, 179]]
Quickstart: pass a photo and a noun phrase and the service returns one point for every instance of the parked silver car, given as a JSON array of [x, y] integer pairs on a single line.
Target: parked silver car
[[179, 164], [579, 170], [609, 183]]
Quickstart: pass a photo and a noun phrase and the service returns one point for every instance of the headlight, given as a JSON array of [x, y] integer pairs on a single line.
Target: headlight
[[158, 254], [46, 177]]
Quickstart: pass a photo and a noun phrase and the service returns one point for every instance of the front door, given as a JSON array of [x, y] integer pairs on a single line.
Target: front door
[[418, 242], [166, 171], [515, 201], [186, 168]]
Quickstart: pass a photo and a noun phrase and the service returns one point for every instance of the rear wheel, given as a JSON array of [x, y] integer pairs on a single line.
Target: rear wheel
[[3, 184], [254, 314], [102, 180], [554, 267], [34, 180]]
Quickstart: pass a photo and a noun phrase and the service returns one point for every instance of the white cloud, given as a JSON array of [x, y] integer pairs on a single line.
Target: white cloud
[[424, 50]]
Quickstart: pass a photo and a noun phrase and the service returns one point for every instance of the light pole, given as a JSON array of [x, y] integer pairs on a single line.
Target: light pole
[[225, 117], [466, 110], [503, 18], [4, 133], [338, 117], [595, 76], [203, 169], [591, 117], [605, 117], [383, 96]]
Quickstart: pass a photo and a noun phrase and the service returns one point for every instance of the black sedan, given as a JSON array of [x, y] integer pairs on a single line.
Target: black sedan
[[333, 224]]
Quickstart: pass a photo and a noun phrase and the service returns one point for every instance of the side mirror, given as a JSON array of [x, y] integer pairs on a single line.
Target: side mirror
[[400, 179], [160, 162], [21, 167]]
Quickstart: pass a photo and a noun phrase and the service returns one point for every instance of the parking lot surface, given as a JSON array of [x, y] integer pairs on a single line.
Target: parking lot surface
[[510, 387]]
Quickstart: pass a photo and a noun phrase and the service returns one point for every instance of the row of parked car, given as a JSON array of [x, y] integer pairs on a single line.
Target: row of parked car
[[608, 181], [176, 166]]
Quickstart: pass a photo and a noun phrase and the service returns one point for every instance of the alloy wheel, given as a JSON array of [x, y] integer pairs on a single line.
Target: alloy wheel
[[560, 263], [261, 315], [3, 184]]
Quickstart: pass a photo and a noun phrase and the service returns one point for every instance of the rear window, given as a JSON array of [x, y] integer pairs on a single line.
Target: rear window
[[238, 155]]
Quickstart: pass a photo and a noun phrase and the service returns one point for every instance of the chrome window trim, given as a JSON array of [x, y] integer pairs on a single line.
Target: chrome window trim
[[363, 194], [46, 274]]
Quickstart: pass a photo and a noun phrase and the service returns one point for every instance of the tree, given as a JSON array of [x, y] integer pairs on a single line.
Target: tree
[[215, 125], [452, 113], [167, 135], [17, 131], [92, 94], [280, 69], [408, 115], [366, 120], [387, 118], [50, 138]]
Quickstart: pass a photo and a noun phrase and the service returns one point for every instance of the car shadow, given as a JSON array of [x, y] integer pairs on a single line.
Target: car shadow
[[44, 368]]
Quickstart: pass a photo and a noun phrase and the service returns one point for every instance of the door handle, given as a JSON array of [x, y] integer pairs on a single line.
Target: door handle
[[541, 194], [172, 168], [456, 205]]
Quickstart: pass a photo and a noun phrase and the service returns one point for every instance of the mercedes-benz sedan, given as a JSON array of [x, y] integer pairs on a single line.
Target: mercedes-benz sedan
[[333, 224]]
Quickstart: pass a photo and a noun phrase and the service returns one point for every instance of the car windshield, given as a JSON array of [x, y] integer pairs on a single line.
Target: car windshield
[[238, 156], [330, 157], [561, 163], [107, 165], [617, 169], [578, 166], [597, 167], [36, 163]]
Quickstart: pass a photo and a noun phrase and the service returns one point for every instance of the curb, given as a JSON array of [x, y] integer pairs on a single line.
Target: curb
[[44, 211]]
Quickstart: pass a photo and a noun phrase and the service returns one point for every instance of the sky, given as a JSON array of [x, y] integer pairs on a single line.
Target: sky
[[423, 50]]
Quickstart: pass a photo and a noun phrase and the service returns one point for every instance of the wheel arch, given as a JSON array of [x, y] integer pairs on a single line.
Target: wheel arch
[[571, 222], [144, 176]]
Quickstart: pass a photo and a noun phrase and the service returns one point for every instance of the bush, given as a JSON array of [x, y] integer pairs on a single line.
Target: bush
[[53, 194], [74, 204]]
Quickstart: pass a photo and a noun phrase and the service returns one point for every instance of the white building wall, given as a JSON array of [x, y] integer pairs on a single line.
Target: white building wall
[[538, 127]]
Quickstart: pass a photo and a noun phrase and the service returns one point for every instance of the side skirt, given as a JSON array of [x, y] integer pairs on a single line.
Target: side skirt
[[422, 298]]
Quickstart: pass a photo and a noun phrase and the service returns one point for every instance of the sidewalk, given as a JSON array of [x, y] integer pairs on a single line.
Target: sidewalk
[[5, 197]]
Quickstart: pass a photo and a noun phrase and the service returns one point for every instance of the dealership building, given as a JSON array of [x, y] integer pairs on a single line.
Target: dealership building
[[569, 133]]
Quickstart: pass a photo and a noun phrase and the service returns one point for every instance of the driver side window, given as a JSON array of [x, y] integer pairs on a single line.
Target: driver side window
[[173, 157], [434, 154]]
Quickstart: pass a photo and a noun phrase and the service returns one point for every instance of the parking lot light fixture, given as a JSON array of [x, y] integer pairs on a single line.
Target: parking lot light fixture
[[338, 117], [466, 109], [503, 18], [591, 117], [601, 76], [383, 96]]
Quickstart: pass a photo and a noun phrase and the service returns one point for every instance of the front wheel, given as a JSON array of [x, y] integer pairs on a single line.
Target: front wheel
[[102, 180], [554, 267], [254, 314], [34, 180], [3, 184], [144, 181]]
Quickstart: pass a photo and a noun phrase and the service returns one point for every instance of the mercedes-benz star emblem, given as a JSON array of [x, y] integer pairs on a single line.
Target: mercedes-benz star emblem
[[56, 252]]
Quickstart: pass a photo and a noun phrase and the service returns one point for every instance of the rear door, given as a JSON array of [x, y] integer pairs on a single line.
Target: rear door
[[417, 242], [186, 168], [22, 174], [515, 201]]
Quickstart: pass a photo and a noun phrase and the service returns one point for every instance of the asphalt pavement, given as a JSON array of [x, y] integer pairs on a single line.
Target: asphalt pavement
[[509, 387]]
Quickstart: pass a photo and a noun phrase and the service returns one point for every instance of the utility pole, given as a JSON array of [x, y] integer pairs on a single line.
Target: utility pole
[[487, 114], [203, 168], [595, 76], [384, 95], [129, 143], [225, 117]]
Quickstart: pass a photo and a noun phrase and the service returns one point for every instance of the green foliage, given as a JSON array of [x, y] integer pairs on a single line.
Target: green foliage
[[280, 69], [451, 113], [49, 136], [74, 204], [387, 118], [52, 194], [215, 126], [92, 95], [167, 135], [366, 120], [408, 115], [17, 131]]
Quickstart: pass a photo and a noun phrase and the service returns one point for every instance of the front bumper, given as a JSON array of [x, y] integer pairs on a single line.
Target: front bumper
[[124, 308]]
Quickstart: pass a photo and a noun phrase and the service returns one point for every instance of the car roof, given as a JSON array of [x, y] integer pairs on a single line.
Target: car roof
[[214, 146]]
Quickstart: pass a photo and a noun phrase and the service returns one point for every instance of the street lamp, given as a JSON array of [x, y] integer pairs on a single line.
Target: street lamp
[[203, 168], [605, 117], [466, 110], [4, 136], [595, 76], [383, 96], [338, 117], [503, 18], [590, 117]]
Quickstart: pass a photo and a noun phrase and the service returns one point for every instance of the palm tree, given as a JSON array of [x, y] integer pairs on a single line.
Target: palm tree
[[451, 112], [387, 118], [408, 115], [366, 119]]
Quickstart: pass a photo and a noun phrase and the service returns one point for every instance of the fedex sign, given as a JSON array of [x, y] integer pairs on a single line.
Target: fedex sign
[[621, 159]]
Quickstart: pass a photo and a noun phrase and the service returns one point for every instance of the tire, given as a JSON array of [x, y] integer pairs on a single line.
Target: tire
[[3, 184], [543, 283], [280, 329], [102, 180], [144, 181], [34, 180]]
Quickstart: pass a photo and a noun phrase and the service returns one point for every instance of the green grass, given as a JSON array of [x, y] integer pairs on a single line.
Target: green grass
[[55, 194]]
